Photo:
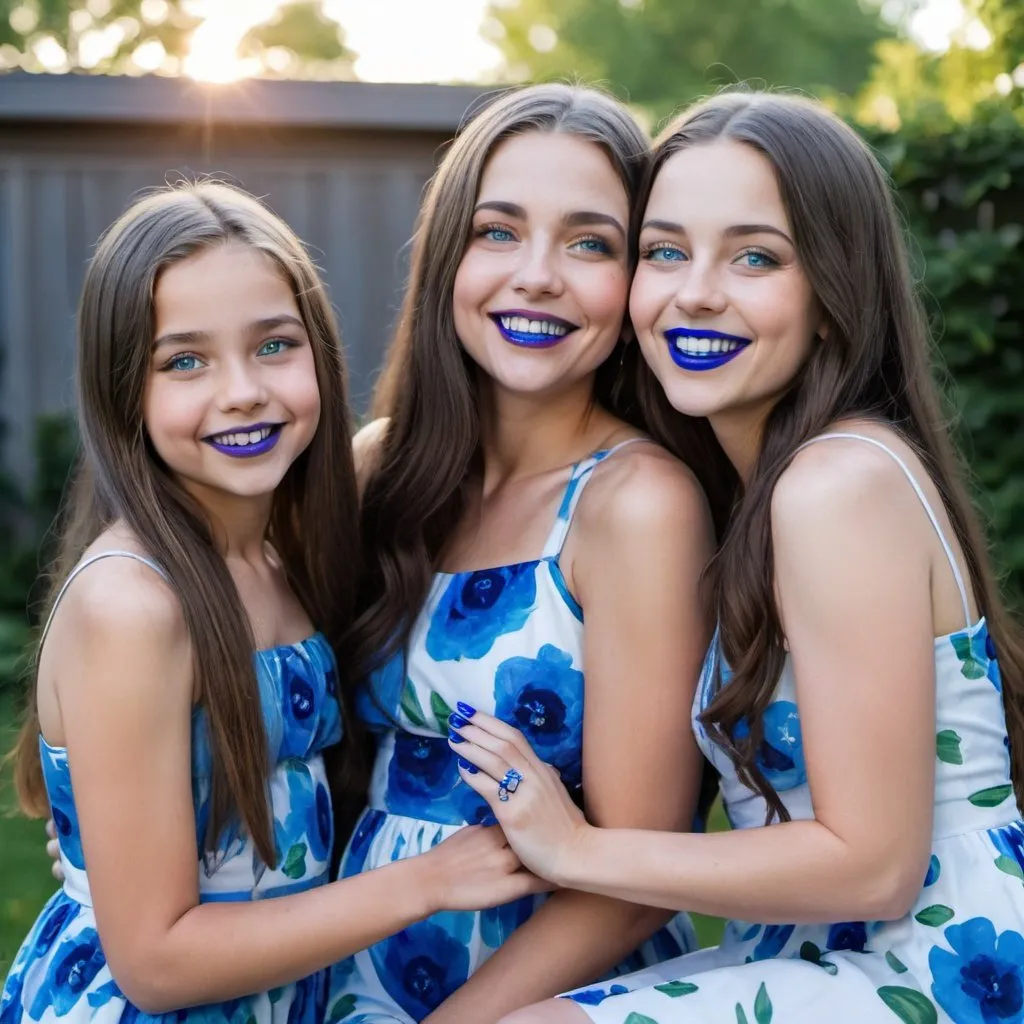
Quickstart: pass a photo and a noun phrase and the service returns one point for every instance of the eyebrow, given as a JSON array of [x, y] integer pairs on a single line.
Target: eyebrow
[[576, 219], [268, 323], [734, 231]]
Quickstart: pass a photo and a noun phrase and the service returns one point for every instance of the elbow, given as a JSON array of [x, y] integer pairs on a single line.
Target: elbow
[[147, 986], [891, 889]]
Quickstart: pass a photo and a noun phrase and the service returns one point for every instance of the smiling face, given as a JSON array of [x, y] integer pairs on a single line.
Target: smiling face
[[722, 307], [540, 293], [231, 398]]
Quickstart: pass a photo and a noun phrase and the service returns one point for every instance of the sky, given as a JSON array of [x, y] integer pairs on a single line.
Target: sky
[[435, 41]]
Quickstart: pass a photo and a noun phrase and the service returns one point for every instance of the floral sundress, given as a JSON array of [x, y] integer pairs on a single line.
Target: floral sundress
[[958, 956], [507, 640], [60, 972]]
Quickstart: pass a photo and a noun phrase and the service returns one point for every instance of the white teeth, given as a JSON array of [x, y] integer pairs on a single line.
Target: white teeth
[[240, 440], [521, 325], [705, 346]]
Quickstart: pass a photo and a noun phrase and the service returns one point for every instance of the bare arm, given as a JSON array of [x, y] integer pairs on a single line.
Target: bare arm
[[641, 538], [853, 562], [123, 664]]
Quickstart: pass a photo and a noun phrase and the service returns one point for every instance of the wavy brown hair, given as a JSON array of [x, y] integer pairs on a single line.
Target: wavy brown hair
[[877, 362], [313, 522], [428, 389]]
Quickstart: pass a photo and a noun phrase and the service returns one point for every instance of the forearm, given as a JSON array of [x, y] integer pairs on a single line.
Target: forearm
[[571, 940], [220, 951], [790, 873]]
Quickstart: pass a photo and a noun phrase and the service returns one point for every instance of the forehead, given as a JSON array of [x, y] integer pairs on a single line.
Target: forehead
[[718, 183], [555, 170], [218, 286]]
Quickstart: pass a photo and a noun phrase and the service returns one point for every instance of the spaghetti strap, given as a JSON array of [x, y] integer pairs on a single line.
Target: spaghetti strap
[[841, 435], [581, 473], [84, 564]]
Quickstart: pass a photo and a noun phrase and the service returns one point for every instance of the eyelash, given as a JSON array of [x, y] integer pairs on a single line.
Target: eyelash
[[169, 366], [606, 247], [647, 252]]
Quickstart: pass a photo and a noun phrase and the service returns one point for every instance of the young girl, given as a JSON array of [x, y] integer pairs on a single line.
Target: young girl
[[509, 506], [214, 513], [852, 698]]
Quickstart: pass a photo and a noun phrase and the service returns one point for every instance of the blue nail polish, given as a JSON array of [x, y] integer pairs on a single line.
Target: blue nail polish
[[457, 721], [471, 768], [454, 737], [466, 709]]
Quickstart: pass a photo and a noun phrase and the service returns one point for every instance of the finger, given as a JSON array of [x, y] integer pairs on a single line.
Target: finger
[[495, 727], [53, 849], [51, 828], [480, 758], [504, 750], [481, 783], [57, 871]]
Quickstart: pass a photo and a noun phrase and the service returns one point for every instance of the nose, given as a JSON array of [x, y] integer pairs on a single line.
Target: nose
[[241, 386], [538, 272], [700, 290]]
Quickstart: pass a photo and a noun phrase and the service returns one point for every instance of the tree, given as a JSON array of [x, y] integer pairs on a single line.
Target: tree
[[663, 53]]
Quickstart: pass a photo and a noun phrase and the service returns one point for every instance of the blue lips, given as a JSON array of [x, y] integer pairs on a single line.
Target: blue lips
[[704, 360]]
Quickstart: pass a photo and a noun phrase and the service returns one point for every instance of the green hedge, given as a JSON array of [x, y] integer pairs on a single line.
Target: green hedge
[[962, 187]]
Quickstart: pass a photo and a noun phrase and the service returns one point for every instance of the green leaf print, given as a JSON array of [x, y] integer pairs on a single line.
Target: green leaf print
[[810, 952], [295, 862], [1010, 866], [909, 1005], [991, 797], [947, 747], [971, 667], [675, 989], [763, 1006], [441, 711], [741, 1017], [639, 1018], [935, 915], [411, 706], [342, 1008], [895, 962]]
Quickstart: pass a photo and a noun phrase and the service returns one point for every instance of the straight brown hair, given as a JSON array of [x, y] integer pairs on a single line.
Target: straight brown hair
[[314, 519]]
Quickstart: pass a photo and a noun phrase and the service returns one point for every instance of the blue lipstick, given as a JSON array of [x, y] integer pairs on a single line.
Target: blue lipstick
[[701, 349], [531, 329], [240, 443]]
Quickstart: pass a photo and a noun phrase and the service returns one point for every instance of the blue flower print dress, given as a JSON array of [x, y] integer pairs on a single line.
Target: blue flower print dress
[[958, 956], [60, 973], [509, 641]]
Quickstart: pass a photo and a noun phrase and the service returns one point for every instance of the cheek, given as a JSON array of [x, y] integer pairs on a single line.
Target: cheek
[[168, 412], [606, 295], [647, 298]]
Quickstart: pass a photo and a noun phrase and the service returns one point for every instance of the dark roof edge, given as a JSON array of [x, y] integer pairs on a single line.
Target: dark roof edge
[[158, 100]]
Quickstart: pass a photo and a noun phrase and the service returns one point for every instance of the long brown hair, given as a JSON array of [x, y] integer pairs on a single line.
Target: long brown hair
[[313, 523], [877, 362], [428, 389]]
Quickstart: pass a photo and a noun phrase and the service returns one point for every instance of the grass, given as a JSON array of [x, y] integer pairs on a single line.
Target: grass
[[25, 879], [26, 882]]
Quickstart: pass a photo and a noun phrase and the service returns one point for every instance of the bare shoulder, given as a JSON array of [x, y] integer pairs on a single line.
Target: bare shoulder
[[642, 488], [366, 448], [842, 482]]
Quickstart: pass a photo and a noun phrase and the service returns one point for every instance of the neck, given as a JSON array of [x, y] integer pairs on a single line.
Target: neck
[[523, 435], [741, 436], [239, 524]]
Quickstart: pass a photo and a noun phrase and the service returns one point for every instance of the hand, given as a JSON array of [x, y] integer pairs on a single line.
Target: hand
[[53, 850], [539, 819], [476, 869]]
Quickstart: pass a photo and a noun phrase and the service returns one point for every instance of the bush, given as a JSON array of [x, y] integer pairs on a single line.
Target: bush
[[962, 187]]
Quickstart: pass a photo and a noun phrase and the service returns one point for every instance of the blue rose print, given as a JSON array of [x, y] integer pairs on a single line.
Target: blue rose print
[[1009, 841], [359, 845], [498, 923], [321, 831], [781, 754], [422, 770], [977, 655], [471, 807], [478, 607], [934, 870], [425, 963], [982, 980], [300, 823], [543, 698], [851, 935], [772, 941], [308, 1000], [57, 776], [75, 964], [379, 697], [593, 996]]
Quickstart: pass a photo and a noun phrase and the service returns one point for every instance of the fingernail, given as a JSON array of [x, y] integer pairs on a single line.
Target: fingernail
[[457, 721], [471, 768], [466, 709], [454, 737]]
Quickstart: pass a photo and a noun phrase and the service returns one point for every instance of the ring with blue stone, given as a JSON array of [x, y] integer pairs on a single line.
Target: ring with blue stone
[[509, 784]]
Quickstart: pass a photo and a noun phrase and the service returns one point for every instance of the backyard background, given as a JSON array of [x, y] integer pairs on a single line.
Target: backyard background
[[99, 98]]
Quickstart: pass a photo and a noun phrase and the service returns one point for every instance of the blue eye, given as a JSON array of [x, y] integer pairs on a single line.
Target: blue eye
[[664, 254], [757, 260], [274, 347], [185, 363], [594, 245], [497, 235]]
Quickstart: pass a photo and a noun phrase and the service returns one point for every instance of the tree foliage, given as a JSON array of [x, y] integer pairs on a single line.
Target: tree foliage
[[662, 53]]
